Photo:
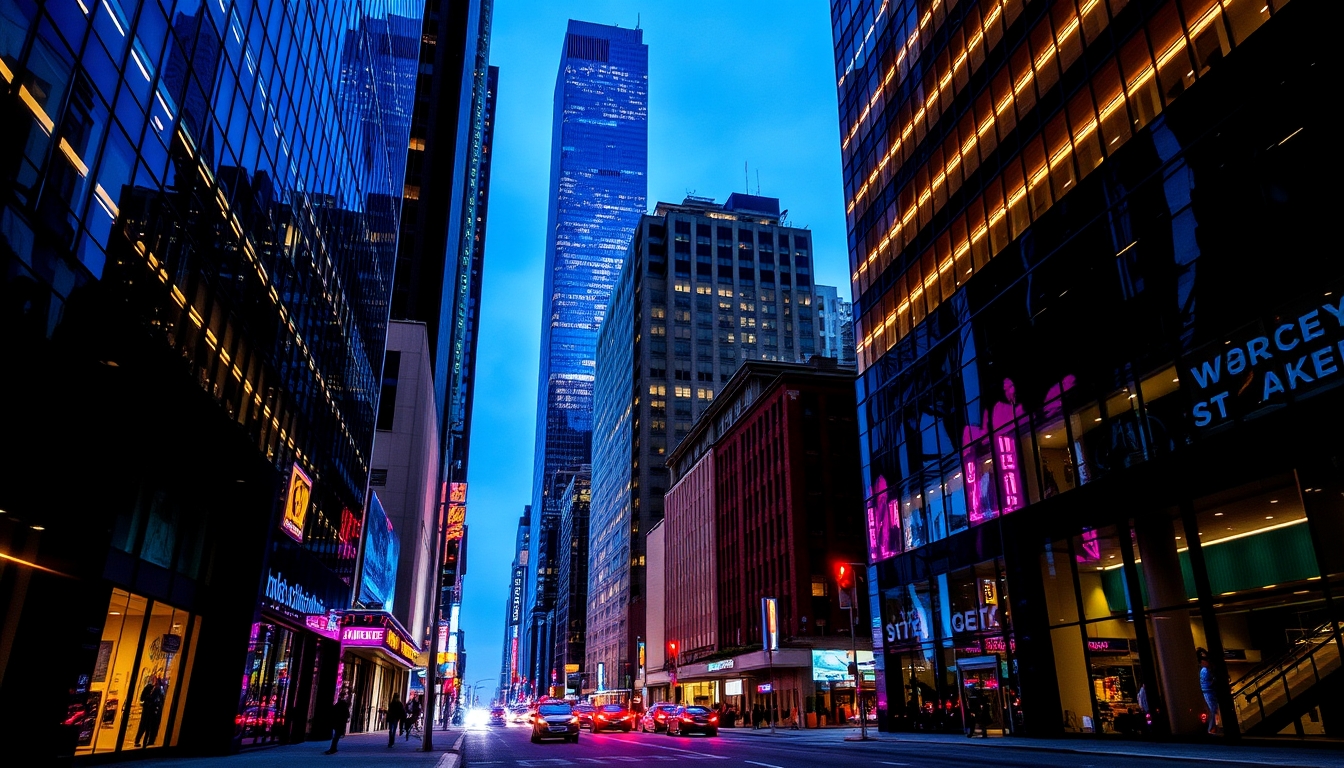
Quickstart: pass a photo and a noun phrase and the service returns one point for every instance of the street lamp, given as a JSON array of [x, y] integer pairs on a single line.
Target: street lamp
[[474, 698], [849, 600]]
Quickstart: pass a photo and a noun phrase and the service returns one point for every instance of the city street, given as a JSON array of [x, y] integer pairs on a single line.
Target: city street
[[510, 747]]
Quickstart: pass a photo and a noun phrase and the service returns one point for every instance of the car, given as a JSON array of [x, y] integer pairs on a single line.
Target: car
[[687, 720], [616, 716], [519, 713], [655, 717], [498, 716], [585, 713], [555, 720]]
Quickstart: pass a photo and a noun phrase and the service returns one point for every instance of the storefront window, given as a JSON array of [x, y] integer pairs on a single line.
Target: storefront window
[[137, 682], [269, 658]]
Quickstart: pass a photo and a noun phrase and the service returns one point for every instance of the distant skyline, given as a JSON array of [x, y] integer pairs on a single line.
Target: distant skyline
[[729, 84]]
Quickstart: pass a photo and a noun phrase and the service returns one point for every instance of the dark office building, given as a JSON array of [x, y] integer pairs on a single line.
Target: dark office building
[[571, 598], [599, 160], [199, 247], [1098, 324], [509, 678], [705, 287]]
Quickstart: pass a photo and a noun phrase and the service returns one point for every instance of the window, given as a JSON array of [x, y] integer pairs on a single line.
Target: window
[[378, 477], [704, 393], [682, 286], [658, 390], [726, 293], [703, 289], [681, 391], [387, 403], [658, 312]]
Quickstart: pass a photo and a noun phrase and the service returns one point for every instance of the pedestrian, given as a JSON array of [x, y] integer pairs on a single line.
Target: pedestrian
[[756, 717], [396, 713], [1206, 687], [413, 710], [340, 716], [151, 712]]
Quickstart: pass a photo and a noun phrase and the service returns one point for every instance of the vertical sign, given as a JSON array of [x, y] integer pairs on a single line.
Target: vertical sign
[[601, 676], [296, 503], [770, 623], [641, 659]]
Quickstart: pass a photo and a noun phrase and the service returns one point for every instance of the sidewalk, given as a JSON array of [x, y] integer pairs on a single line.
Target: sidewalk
[[355, 749], [1282, 757]]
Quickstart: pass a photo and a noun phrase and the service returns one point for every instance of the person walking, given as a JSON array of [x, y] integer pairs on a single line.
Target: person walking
[[413, 710], [1206, 688], [396, 714], [340, 716]]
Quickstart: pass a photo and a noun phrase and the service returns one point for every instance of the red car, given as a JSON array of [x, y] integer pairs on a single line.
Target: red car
[[615, 716], [687, 720], [655, 717]]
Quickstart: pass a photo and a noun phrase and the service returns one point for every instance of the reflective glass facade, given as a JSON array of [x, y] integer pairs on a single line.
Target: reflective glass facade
[[199, 215], [1069, 223], [599, 160]]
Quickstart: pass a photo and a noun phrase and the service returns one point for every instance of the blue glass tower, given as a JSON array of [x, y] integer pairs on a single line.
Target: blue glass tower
[[199, 207], [599, 159]]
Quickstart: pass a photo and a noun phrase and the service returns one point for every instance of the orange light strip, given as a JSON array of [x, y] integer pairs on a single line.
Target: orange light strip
[[35, 566], [875, 325], [945, 82]]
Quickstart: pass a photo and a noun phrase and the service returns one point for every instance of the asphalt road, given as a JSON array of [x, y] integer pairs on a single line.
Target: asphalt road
[[510, 747]]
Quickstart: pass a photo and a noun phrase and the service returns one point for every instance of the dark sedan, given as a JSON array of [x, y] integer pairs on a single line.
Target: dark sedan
[[555, 720], [655, 717], [585, 713], [498, 716], [687, 720], [613, 716]]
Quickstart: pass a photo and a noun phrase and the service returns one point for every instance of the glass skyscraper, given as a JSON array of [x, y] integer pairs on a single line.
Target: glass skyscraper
[[199, 205], [599, 158]]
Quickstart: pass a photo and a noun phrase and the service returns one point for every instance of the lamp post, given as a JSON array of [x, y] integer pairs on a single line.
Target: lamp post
[[849, 593]]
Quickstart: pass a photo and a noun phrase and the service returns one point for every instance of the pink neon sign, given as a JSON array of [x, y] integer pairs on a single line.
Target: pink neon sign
[[363, 636]]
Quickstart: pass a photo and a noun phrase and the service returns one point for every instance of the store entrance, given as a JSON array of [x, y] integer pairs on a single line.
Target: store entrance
[[982, 702]]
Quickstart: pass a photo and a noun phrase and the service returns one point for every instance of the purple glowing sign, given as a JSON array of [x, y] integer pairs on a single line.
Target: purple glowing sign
[[363, 636]]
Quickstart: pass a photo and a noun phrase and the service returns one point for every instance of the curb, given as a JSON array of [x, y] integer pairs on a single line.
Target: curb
[[1061, 749]]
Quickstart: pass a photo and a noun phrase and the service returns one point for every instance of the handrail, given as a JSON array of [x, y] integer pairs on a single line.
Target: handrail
[[1321, 637]]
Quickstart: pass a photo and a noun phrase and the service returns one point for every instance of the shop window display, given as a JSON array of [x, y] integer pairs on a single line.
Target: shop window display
[[269, 658], [136, 689]]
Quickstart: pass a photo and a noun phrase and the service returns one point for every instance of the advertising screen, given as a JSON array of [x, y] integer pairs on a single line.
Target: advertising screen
[[296, 503], [378, 584], [833, 666]]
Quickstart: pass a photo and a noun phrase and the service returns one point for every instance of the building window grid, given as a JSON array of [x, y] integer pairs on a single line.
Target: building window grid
[[948, 264]]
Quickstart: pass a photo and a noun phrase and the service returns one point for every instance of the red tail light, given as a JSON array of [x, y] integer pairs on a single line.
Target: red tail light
[[660, 716], [713, 718], [687, 719]]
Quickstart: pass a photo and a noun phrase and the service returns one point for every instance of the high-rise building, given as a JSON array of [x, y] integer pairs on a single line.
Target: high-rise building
[[705, 286], [836, 319], [766, 503], [199, 252], [440, 262], [599, 159], [1098, 316], [571, 597], [510, 665]]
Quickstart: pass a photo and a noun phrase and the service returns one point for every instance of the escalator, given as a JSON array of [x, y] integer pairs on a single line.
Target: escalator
[[1273, 697]]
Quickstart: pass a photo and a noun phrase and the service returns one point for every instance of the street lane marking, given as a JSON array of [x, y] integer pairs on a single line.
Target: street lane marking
[[884, 762], [699, 755], [764, 765]]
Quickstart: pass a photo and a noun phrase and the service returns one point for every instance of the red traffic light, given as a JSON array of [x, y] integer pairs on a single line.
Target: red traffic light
[[672, 648], [844, 577]]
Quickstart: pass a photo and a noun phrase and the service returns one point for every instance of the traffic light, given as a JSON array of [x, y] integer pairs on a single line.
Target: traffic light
[[844, 576], [672, 650]]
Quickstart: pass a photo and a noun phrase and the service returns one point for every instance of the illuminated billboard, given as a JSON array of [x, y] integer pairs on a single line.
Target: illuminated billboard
[[378, 581], [833, 665], [296, 503]]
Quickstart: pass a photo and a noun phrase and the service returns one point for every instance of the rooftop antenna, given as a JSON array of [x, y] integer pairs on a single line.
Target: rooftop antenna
[[758, 182], [746, 178], [636, 21]]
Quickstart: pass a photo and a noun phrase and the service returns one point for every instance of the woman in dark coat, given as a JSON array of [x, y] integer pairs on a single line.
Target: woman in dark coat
[[340, 716]]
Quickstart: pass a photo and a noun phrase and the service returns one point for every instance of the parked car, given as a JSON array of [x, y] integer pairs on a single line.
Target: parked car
[[498, 716], [616, 716], [585, 713], [555, 720], [687, 720], [655, 717]]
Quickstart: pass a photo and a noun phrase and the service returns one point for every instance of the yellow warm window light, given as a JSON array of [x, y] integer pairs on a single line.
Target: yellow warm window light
[[43, 119], [73, 157]]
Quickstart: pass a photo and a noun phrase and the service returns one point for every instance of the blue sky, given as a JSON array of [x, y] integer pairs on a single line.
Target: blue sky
[[730, 82]]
